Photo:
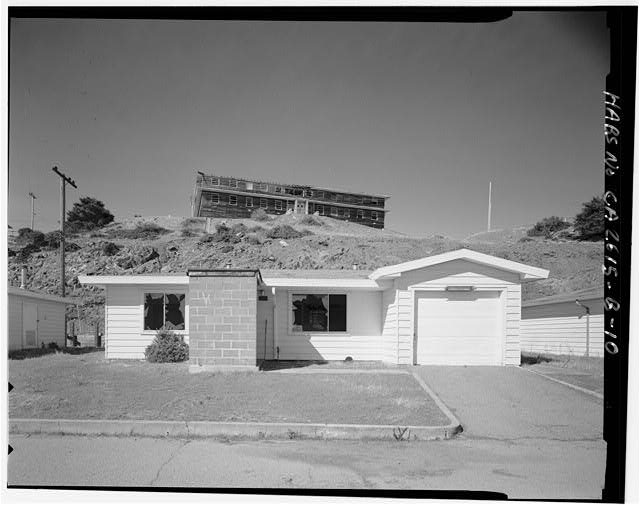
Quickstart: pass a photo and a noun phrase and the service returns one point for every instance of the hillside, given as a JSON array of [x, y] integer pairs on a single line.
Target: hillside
[[171, 244]]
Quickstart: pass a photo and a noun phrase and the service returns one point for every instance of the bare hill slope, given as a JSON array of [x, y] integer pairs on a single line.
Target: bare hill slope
[[171, 244]]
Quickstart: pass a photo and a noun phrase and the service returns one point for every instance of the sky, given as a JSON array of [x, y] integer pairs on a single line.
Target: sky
[[427, 113]]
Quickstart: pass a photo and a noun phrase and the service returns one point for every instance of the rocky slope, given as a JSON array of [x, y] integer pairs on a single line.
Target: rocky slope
[[136, 246]]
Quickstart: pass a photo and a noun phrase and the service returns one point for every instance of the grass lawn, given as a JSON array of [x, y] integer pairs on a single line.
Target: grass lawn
[[580, 371], [64, 386]]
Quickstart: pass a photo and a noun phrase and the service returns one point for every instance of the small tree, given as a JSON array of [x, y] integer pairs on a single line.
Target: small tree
[[589, 223], [547, 227], [167, 347], [87, 214]]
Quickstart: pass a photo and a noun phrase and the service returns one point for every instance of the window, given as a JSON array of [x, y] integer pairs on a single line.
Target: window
[[233, 200], [241, 185], [278, 189], [249, 201], [278, 204], [347, 213], [320, 209], [320, 194], [164, 311], [319, 313], [374, 215], [215, 198], [307, 193], [360, 214], [233, 183], [374, 201], [263, 187], [215, 181], [339, 198], [263, 203], [334, 211]]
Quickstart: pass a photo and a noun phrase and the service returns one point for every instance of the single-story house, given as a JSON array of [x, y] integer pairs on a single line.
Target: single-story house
[[457, 308], [559, 324], [35, 318]]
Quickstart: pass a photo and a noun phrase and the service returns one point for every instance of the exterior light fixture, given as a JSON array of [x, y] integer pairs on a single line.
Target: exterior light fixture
[[460, 288]]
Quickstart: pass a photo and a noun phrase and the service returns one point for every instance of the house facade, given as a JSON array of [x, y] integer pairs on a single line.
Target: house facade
[[456, 308], [231, 197], [35, 319], [558, 325]]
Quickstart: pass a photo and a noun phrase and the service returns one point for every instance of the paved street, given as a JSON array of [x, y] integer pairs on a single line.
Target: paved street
[[524, 436]]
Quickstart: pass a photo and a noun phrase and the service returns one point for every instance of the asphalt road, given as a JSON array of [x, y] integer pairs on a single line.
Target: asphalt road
[[524, 436]]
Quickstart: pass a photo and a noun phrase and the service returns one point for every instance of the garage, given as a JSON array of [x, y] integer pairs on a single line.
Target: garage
[[458, 328]]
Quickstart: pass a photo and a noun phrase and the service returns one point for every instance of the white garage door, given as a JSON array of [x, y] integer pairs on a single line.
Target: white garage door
[[459, 328]]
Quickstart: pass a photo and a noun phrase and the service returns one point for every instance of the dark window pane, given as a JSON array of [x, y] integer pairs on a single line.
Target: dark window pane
[[174, 312], [310, 312], [337, 312], [153, 311]]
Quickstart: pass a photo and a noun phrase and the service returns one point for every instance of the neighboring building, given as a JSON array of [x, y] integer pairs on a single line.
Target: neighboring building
[[456, 308], [35, 319], [232, 197], [558, 325]]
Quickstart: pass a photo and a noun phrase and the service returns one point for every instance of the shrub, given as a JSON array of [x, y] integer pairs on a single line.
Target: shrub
[[285, 231], [52, 239], [547, 227], [27, 236], [589, 223], [260, 215], [311, 220], [167, 347], [148, 231], [87, 214], [191, 226], [110, 249]]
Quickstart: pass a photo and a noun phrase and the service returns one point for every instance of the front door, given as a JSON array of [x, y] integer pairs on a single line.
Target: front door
[[30, 324]]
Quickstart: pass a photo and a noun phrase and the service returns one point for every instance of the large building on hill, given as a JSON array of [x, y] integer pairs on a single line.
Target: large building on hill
[[217, 196]]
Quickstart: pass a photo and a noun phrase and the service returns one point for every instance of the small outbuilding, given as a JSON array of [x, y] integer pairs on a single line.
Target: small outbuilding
[[563, 324], [457, 308], [35, 318]]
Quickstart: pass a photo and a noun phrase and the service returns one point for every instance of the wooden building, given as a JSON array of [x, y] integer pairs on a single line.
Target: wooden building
[[216, 196]]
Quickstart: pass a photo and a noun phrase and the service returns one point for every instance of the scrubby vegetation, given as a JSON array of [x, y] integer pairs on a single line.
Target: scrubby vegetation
[[145, 231], [260, 215], [548, 226], [589, 223], [167, 347], [286, 232], [311, 220], [88, 214]]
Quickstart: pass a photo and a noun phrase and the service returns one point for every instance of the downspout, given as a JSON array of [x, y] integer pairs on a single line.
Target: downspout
[[397, 305], [276, 350]]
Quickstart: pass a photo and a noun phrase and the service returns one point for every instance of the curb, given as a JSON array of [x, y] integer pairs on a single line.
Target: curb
[[455, 426], [257, 431], [572, 386]]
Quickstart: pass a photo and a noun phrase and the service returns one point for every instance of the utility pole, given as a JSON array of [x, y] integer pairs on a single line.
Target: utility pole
[[489, 212], [63, 181], [33, 197]]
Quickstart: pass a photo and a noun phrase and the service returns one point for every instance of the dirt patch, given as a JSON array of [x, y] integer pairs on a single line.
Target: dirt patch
[[62, 386]]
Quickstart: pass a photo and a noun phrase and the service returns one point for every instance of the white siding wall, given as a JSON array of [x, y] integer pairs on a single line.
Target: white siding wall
[[389, 343], [556, 329], [15, 322], [361, 342], [51, 318], [462, 273], [124, 310]]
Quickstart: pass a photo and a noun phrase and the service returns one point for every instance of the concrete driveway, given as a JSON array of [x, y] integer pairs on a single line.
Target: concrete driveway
[[511, 403]]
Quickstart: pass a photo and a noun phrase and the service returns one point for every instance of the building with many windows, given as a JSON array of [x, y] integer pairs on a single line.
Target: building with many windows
[[216, 196]]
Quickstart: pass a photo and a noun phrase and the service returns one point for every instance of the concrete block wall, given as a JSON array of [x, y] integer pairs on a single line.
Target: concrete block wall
[[222, 319]]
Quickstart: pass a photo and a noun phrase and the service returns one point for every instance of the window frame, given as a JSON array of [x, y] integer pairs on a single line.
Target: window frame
[[374, 215], [264, 204], [235, 202], [347, 213], [164, 289], [278, 205], [248, 201], [318, 292], [333, 211], [215, 198], [360, 214], [320, 194]]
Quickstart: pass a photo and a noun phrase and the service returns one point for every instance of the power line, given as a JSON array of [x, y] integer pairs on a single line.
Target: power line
[[63, 182]]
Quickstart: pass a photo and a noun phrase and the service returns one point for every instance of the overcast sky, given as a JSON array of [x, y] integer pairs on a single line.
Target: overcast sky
[[425, 113]]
